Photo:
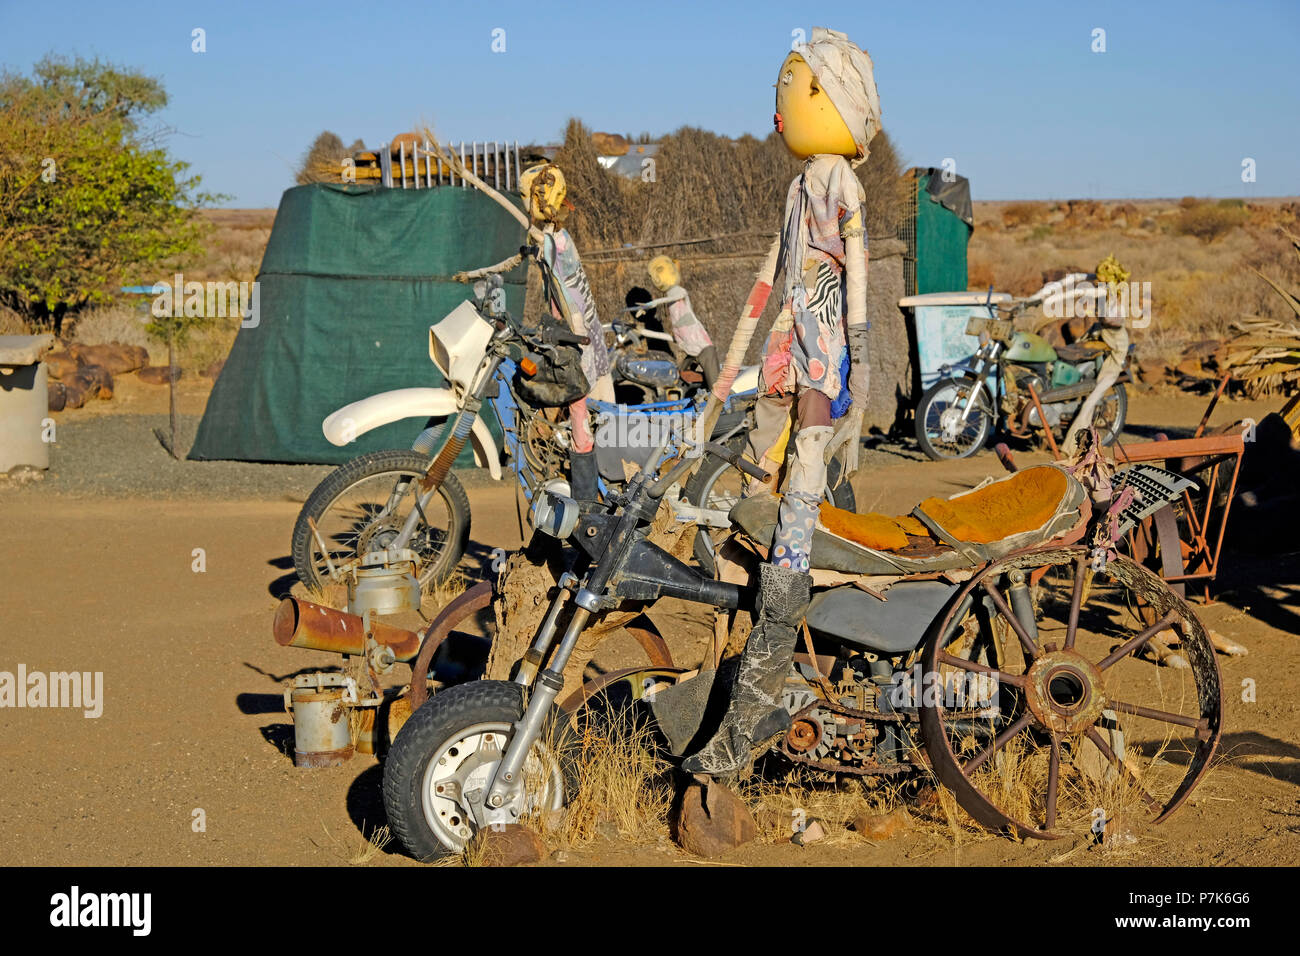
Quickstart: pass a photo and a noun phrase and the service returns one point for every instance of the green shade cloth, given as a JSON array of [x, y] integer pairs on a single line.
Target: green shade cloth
[[938, 231], [352, 278]]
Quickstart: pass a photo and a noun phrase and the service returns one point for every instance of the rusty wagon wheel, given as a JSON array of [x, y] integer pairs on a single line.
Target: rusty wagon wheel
[[1070, 725]]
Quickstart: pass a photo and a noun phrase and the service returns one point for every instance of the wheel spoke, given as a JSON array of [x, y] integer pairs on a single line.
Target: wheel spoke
[[998, 743], [1053, 779], [1200, 724], [1122, 764], [1076, 601], [1016, 680], [1031, 649], [1136, 643]]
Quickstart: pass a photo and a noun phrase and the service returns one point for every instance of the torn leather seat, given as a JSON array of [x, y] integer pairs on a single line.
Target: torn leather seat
[[991, 520]]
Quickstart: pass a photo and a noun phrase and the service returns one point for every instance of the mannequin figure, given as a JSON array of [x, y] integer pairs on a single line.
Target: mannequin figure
[[687, 330], [827, 111], [570, 299]]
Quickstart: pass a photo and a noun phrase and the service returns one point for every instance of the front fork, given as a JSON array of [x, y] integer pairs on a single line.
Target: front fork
[[546, 683], [452, 447], [981, 370]]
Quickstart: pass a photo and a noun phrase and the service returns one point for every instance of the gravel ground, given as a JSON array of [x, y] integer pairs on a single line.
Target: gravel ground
[[118, 455]]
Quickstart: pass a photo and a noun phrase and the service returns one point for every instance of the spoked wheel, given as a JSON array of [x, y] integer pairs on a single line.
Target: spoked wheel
[[1060, 723], [947, 424], [361, 507], [1111, 414]]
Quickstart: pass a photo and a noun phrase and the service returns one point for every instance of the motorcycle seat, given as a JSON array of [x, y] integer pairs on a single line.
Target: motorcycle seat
[[1079, 352], [992, 520]]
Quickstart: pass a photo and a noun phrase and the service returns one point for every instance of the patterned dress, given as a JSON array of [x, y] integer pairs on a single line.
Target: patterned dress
[[806, 346], [562, 257], [806, 349]]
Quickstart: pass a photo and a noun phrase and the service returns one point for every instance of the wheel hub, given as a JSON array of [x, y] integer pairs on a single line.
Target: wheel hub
[[1063, 691], [378, 535], [949, 423]]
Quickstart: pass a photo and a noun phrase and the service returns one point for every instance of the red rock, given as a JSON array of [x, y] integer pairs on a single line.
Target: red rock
[[118, 359], [710, 821], [509, 845], [95, 380], [881, 826], [61, 365], [157, 374]]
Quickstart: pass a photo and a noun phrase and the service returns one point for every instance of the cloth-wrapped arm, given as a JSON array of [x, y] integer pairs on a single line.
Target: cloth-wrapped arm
[[655, 303], [749, 316], [849, 432]]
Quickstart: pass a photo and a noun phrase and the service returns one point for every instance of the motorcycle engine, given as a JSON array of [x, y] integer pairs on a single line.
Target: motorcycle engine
[[819, 734]]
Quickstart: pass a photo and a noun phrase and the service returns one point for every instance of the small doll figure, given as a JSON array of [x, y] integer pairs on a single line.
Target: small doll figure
[[570, 299], [827, 111], [1114, 334], [687, 330]]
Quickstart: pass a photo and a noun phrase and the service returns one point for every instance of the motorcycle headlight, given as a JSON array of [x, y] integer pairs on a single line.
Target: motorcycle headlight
[[553, 514]]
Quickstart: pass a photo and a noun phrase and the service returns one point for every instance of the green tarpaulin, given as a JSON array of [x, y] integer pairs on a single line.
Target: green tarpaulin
[[352, 278]]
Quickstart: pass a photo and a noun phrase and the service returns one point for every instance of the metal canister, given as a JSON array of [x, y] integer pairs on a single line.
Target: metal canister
[[390, 587], [322, 734]]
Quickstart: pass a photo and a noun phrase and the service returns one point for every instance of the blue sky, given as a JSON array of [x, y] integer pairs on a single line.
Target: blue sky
[[1011, 91]]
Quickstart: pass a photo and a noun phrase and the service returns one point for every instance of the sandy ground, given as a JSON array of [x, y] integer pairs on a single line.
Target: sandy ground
[[193, 725]]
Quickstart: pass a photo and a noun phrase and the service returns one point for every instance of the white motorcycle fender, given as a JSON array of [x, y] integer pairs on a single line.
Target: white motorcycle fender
[[746, 380], [370, 413]]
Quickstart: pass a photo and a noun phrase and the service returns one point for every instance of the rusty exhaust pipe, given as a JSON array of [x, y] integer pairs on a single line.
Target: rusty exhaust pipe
[[319, 628]]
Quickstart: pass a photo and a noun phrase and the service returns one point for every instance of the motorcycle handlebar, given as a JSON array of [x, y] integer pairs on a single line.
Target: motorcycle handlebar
[[562, 337]]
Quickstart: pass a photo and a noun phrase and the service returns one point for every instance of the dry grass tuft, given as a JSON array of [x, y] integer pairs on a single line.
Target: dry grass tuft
[[623, 783]]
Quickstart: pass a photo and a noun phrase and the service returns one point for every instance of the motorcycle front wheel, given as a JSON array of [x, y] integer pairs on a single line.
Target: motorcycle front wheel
[[940, 429], [1111, 414], [447, 754], [361, 506]]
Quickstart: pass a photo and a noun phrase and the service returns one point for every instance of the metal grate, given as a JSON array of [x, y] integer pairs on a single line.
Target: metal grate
[[1154, 487], [907, 232], [415, 166]]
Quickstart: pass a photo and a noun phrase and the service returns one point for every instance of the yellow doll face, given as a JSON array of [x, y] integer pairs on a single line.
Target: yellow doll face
[[543, 188], [664, 273], [805, 116]]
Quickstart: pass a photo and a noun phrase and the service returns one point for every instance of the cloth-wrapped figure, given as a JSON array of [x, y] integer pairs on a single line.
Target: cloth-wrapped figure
[[687, 330], [1114, 334], [569, 298], [814, 366]]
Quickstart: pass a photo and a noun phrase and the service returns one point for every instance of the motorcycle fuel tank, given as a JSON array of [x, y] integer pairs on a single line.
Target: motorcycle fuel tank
[[1028, 347], [892, 626]]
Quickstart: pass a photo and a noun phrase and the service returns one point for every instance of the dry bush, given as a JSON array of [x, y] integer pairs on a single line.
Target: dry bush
[[782, 806], [11, 323], [705, 185], [1208, 221], [1023, 214], [123, 321], [1008, 265]]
